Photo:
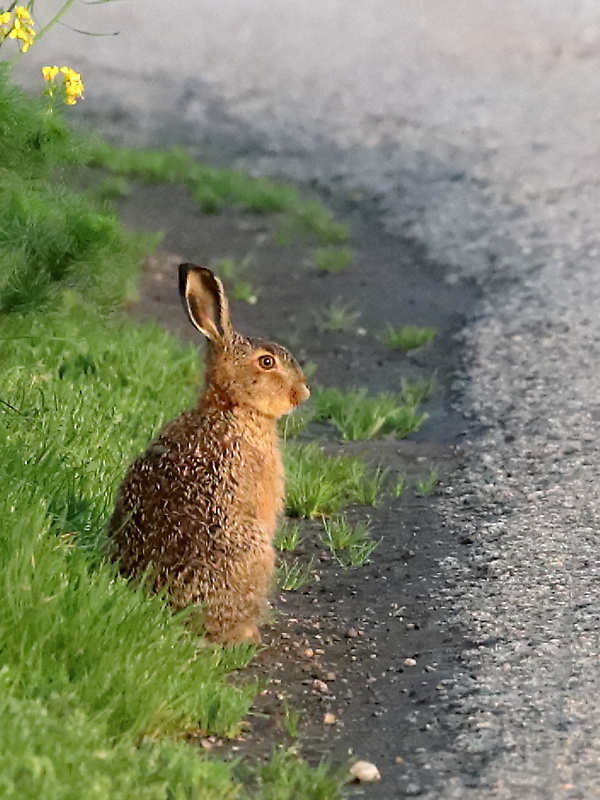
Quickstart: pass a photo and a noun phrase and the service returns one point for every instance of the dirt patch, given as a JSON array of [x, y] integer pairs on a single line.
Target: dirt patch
[[360, 653]]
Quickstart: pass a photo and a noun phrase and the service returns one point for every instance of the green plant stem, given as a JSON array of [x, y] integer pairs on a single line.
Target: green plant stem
[[56, 18]]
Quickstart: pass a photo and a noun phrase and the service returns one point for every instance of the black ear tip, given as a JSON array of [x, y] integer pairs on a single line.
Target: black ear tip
[[183, 274]]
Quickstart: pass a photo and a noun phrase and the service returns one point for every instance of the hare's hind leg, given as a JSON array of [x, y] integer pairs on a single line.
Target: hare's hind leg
[[234, 613], [227, 621]]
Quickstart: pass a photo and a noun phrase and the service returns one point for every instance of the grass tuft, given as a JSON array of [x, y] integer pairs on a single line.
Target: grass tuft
[[338, 317], [291, 721], [351, 546], [426, 486], [332, 259], [399, 486], [288, 777], [407, 337], [288, 536], [356, 415], [310, 216], [417, 391], [296, 421], [320, 484], [294, 574]]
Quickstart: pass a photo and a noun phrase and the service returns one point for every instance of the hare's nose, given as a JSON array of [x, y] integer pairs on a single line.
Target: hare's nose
[[305, 393], [299, 394]]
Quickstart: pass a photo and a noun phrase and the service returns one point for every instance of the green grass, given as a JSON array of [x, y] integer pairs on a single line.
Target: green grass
[[234, 275], [370, 490], [245, 292], [332, 259], [293, 574], [215, 189], [318, 484], [351, 546], [34, 143], [356, 415], [310, 216], [53, 239], [288, 777], [288, 536], [407, 337], [415, 392], [338, 317], [427, 485], [52, 751], [109, 189], [291, 721], [399, 486], [296, 421]]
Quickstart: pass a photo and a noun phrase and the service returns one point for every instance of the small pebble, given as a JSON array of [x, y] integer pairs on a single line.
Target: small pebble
[[410, 662], [352, 633], [309, 653], [320, 686], [331, 676], [365, 772], [329, 718]]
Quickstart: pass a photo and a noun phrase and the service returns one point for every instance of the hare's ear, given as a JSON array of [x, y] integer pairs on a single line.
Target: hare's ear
[[204, 300]]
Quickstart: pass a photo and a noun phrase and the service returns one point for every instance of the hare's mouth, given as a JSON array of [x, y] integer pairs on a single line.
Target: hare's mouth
[[299, 395]]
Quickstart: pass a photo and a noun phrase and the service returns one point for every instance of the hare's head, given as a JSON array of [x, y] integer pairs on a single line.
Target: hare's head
[[248, 372]]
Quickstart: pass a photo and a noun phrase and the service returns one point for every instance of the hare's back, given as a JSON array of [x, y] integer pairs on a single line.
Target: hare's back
[[198, 492]]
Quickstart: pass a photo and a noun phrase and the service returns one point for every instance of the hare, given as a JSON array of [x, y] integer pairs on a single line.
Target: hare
[[197, 512]]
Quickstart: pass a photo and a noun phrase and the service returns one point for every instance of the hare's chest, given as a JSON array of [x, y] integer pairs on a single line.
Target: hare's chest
[[260, 486]]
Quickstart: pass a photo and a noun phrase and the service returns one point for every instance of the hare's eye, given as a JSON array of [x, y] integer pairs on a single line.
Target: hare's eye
[[266, 362]]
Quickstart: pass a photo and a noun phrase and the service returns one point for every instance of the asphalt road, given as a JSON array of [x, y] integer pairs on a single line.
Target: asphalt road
[[475, 126]]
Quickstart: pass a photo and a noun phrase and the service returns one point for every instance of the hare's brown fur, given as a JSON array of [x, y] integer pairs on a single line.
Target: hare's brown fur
[[198, 510]]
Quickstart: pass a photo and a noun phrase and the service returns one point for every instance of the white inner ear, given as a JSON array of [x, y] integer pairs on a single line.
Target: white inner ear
[[201, 316], [206, 304]]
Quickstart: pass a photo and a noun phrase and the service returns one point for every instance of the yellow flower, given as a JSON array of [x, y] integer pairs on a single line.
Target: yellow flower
[[49, 73], [70, 74], [19, 26], [23, 14], [72, 83]]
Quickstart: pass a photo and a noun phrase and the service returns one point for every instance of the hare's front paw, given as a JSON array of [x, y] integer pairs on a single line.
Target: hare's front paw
[[245, 632]]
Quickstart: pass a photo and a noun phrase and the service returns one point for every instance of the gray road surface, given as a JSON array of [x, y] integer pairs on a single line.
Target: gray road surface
[[477, 125]]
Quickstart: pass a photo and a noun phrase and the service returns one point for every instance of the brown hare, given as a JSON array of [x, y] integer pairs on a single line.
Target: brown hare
[[197, 511]]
